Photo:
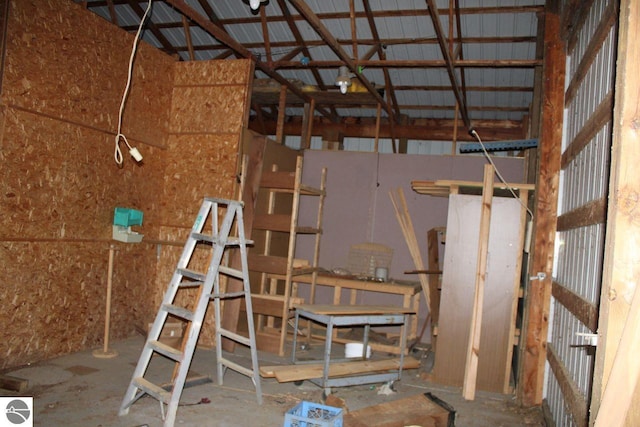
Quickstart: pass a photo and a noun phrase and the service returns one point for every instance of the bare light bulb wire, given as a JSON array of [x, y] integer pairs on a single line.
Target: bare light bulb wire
[[488, 156], [120, 136]]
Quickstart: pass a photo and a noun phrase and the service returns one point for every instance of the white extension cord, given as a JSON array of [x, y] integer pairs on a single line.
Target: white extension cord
[[133, 151]]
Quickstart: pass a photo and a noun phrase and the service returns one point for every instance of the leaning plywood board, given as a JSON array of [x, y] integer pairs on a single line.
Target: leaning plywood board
[[458, 281], [287, 373]]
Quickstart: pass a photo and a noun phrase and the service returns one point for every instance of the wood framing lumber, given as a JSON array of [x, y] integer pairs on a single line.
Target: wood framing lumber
[[406, 225], [288, 373], [8, 382], [473, 348], [623, 380], [532, 366]]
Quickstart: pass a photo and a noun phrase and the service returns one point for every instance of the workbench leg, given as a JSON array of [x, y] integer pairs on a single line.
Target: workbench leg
[[295, 337], [403, 343], [327, 357], [365, 341]]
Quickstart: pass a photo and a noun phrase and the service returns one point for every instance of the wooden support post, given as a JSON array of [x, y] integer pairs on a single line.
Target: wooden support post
[[307, 125], [403, 142], [433, 257], [471, 367], [376, 145], [536, 325], [282, 106]]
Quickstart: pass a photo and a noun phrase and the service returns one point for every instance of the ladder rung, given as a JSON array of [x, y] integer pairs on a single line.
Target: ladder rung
[[228, 295], [180, 312], [235, 337], [235, 241], [201, 237], [192, 274], [166, 350], [231, 272], [236, 367], [308, 230], [154, 390], [231, 241], [190, 284]]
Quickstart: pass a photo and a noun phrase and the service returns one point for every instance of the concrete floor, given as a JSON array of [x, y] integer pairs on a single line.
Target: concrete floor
[[82, 390]]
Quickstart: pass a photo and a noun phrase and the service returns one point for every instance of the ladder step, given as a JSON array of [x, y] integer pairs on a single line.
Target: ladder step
[[231, 272], [231, 241], [228, 295], [180, 312], [235, 337], [192, 274], [236, 367], [166, 350], [189, 284], [153, 390]]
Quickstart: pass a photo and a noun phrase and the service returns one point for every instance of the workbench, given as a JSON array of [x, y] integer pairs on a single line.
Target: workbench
[[409, 291], [347, 315]]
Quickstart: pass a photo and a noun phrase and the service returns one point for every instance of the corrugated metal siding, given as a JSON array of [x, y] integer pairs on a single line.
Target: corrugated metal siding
[[578, 263]]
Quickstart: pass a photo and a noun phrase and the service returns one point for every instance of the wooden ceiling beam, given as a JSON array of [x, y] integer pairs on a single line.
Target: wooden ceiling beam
[[300, 41], [326, 35], [265, 36], [435, 17], [112, 12], [166, 45], [381, 54], [415, 129], [469, 88], [225, 38], [459, 53], [187, 35], [360, 15], [435, 63]]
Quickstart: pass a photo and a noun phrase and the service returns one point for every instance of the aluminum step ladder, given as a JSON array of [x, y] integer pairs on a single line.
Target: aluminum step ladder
[[209, 288]]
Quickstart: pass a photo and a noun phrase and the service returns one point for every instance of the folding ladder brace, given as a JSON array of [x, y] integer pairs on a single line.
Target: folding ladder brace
[[184, 277]]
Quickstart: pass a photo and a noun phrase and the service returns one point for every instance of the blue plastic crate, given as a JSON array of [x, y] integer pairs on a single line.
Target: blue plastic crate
[[309, 414]]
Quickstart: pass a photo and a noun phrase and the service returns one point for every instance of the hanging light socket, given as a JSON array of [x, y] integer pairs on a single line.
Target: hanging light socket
[[343, 80], [255, 4]]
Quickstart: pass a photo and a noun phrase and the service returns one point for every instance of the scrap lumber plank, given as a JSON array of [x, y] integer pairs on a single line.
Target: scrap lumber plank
[[287, 373], [473, 348], [415, 410], [625, 374], [8, 382]]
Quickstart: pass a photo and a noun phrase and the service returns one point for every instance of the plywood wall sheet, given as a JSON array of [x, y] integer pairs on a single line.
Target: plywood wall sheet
[[78, 73], [213, 73], [58, 304], [209, 109], [458, 285], [198, 166], [59, 183], [56, 175]]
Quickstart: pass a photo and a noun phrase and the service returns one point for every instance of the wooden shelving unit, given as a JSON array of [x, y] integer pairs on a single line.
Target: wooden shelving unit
[[280, 220]]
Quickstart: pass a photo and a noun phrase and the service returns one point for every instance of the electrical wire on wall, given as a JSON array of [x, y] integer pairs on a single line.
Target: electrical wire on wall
[[120, 136], [488, 156]]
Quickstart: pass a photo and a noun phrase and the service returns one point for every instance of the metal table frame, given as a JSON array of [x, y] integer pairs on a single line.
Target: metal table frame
[[340, 315]]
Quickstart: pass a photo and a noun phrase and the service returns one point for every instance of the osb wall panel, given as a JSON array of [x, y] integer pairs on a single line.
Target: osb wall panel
[[59, 184], [59, 180], [78, 72], [214, 73], [54, 297], [198, 166], [210, 96], [209, 110]]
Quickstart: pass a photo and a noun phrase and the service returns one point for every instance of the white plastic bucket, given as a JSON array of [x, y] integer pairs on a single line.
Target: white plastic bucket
[[354, 349]]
